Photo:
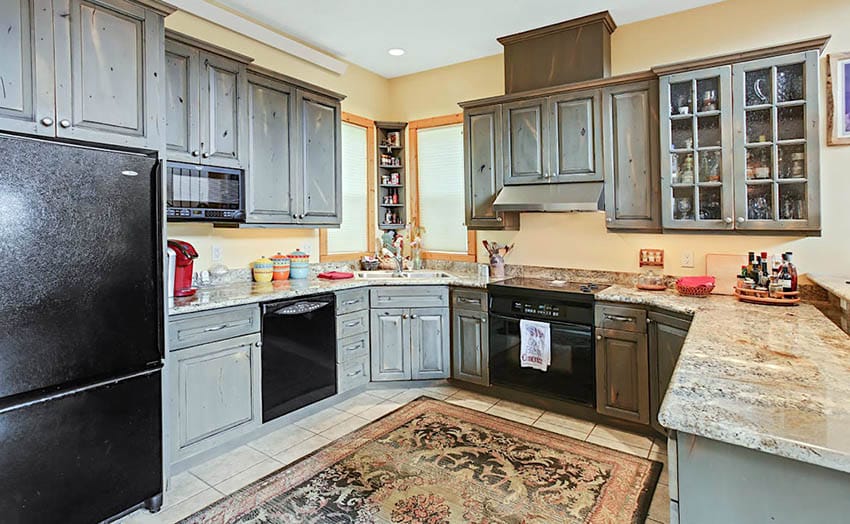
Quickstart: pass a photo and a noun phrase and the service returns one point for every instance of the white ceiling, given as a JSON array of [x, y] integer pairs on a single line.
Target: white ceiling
[[434, 33]]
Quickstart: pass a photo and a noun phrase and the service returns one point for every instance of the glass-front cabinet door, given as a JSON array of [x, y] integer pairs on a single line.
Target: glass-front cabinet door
[[696, 150], [776, 143]]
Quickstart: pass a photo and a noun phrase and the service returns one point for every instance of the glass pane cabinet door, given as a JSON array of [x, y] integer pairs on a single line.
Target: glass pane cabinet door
[[776, 143], [696, 150]]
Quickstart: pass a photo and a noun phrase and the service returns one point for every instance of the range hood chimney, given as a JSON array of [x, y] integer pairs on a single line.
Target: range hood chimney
[[563, 53]]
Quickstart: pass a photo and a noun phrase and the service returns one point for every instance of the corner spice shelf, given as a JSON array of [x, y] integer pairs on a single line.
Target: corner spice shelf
[[392, 201]]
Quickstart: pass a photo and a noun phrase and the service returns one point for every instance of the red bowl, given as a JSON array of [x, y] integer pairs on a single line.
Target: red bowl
[[695, 286]]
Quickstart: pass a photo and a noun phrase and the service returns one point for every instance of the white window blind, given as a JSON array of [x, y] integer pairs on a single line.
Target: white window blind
[[441, 210], [351, 236]]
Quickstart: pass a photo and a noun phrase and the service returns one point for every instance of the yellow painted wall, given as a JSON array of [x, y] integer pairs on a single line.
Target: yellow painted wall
[[581, 240], [367, 94]]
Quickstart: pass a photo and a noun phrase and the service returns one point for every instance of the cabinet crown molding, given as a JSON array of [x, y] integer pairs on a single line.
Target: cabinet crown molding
[[170, 34]]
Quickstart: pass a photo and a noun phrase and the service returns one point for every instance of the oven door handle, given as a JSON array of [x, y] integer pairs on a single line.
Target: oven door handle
[[569, 327], [299, 308]]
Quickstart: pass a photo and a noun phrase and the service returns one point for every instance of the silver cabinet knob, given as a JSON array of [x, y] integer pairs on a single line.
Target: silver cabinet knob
[[598, 337], [728, 220], [47, 121], [412, 316], [405, 316], [65, 123], [741, 220], [483, 320], [301, 215], [259, 343], [206, 155], [498, 219], [609, 220], [196, 153]]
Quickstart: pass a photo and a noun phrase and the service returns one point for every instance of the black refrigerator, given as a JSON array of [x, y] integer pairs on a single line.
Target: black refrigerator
[[81, 332]]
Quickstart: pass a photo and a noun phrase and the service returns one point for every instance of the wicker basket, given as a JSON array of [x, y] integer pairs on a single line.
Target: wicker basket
[[695, 287]]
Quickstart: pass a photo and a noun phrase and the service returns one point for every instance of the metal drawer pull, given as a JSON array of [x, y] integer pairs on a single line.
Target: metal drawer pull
[[354, 373], [354, 347], [469, 300], [351, 302], [215, 328], [618, 318], [352, 324]]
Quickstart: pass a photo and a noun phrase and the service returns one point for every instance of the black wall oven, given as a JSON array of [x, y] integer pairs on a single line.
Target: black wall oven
[[572, 373]]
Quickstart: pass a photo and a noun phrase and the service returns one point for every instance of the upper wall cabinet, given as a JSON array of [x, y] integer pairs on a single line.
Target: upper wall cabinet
[[553, 139], [483, 169], [83, 70], [319, 172], [206, 101], [630, 135], [271, 160], [740, 146]]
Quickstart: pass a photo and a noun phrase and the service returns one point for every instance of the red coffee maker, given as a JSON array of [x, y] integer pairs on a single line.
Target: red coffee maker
[[184, 263]]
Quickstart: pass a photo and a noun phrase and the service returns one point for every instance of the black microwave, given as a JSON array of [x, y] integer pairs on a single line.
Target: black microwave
[[204, 193]]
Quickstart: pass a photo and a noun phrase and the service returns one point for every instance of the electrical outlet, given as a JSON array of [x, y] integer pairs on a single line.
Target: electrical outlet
[[216, 254], [688, 259]]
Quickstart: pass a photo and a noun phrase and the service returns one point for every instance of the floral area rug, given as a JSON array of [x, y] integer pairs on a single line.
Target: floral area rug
[[433, 462]]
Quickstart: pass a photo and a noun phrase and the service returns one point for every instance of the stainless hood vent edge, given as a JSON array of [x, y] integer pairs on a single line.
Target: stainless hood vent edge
[[575, 197]]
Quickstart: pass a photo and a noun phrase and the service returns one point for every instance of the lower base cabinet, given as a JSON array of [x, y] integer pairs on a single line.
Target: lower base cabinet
[[666, 337], [470, 338], [409, 343], [214, 394], [622, 375]]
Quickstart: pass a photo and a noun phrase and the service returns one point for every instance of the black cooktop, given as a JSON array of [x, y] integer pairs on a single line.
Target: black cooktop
[[562, 286]]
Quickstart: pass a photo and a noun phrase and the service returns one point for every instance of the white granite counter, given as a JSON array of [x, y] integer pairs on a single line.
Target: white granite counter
[[837, 285], [240, 293], [773, 379]]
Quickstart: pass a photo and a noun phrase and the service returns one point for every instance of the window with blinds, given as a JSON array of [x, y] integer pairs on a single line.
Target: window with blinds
[[351, 237], [441, 210]]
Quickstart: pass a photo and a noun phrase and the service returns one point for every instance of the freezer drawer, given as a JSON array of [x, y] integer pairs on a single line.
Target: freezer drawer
[[82, 457]]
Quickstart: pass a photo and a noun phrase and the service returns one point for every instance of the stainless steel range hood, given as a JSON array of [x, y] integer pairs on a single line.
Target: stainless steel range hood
[[579, 196]]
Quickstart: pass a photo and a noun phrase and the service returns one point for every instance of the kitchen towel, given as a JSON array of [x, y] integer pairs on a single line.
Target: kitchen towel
[[535, 345], [336, 275]]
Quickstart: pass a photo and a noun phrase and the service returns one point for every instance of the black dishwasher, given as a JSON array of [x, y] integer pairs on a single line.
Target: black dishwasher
[[298, 354]]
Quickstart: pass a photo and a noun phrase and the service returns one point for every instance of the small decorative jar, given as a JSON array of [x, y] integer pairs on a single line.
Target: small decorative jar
[[281, 267], [263, 269], [299, 265]]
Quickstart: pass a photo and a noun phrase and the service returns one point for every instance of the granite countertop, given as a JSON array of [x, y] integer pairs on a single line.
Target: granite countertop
[[240, 293], [837, 285], [769, 378]]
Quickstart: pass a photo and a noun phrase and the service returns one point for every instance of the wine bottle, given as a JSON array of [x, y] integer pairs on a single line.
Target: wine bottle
[[793, 270], [785, 275]]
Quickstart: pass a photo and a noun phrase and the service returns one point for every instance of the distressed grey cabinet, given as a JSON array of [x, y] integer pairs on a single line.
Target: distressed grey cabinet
[[482, 131], [622, 375], [27, 94], [470, 339], [214, 393], [666, 337], [777, 144], [207, 102], [319, 171], [575, 119], [632, 177], [271, 158], [429, 343], [525, 137], [87, 70], [390, 351], [697, 179]]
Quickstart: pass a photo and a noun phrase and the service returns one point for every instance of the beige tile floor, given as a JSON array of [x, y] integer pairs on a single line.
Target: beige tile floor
[[206, 483]]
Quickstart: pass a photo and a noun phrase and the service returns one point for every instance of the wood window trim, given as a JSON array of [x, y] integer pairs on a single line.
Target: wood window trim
[[371, 196], [413, 128]]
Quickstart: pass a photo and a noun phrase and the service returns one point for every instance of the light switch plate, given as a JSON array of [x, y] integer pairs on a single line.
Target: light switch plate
[[688, 259], [216, 253]]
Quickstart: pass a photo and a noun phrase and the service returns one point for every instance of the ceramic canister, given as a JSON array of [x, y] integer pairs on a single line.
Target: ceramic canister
[[281, 267], [263, 269], [299, 265]]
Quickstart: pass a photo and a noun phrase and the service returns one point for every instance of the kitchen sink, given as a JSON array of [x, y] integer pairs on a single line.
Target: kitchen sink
[[414, 275]]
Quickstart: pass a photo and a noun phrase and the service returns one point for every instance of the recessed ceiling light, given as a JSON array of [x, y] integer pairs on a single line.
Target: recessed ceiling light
[[396, 51]]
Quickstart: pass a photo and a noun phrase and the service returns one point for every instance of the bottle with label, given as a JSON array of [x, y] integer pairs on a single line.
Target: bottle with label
[[785, 275], [792, 269]]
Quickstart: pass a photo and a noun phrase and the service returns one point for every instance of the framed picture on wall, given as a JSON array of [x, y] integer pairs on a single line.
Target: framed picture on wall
[[838, 99]]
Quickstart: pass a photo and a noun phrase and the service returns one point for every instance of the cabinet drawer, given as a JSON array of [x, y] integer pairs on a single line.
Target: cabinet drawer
[[350, 348], [208, 326], [409, 296], [469, 299], [621, 318], [352, 300], [352, 324], [352, 374]]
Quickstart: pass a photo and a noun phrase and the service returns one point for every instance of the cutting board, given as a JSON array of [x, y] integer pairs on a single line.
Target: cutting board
[[725, 268]]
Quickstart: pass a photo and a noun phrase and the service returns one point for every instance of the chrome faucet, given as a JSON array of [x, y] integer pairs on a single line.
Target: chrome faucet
[[399, 264]]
